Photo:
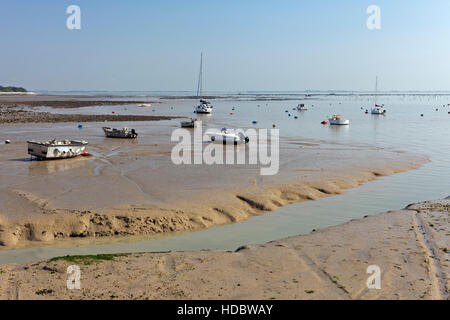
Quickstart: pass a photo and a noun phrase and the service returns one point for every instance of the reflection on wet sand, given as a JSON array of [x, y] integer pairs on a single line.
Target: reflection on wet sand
[[37, 168]]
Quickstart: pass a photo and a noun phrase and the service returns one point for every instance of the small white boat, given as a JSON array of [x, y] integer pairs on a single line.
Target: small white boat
[[301, 107], [337, 120], [56, 149], [204, 107], [191, 123], [120, 133], [144, 105], [226, 137], [378, 110]]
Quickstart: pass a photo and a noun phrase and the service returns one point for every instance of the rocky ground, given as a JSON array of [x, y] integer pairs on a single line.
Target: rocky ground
[[18, 116]]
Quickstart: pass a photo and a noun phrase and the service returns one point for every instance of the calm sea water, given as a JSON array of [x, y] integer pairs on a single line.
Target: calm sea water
[[402, 128]]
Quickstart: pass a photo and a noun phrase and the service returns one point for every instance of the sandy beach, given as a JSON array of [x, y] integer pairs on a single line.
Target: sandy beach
[[129, 188], [286, 150], [409, 246]]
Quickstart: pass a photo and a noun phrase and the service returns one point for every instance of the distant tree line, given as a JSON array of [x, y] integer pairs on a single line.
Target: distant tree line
[[12, 89]]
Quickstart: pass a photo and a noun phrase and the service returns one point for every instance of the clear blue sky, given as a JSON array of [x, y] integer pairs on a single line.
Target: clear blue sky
[[248, 45]]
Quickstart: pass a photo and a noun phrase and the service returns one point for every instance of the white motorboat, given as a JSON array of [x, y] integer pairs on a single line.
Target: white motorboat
[[204, 107], [191, 123], [301, 107], [144, 105], [226, 137], [56, 149], [120, 133], [337, 120]]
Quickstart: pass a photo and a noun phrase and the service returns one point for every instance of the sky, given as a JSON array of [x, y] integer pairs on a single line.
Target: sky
[[248, 45]]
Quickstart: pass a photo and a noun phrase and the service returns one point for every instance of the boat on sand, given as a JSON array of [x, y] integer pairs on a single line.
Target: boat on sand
[[378, 109], [56, 149], [205, 107], [228, 137], [191, 123], [125, 133]]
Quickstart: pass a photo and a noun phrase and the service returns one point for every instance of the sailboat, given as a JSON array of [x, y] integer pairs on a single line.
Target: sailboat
[[378, 109], [204, 106]]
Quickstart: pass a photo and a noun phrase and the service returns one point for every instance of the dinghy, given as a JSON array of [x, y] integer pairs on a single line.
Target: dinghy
[[191, 123], [56, 149], [125, 133], [301, 107], [226, 137]]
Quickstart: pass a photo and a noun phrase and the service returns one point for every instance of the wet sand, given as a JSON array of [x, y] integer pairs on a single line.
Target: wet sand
[[409, 246], [130, 188], [134, 189]]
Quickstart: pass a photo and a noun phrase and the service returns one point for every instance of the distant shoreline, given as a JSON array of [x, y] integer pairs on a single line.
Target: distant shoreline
[[5, 93]]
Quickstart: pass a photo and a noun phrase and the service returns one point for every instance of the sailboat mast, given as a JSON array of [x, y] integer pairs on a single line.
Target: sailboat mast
[[376, 89], [200, 80]]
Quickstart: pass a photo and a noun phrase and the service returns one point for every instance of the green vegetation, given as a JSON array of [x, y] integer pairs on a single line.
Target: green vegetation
[[12, 89], [88, 259], [44, 291]]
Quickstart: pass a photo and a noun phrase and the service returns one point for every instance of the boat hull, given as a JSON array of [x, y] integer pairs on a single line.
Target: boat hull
[[203, 111], [340, 123], [52, 151], [189, 124], [121, 134]]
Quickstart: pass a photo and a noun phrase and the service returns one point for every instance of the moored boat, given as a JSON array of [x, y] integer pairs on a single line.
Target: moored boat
[[125, 133], [337, 120], [191, 123], [226, 137], [205, 107], [56, 149], [143, 105], [378, 109], [301, 107]]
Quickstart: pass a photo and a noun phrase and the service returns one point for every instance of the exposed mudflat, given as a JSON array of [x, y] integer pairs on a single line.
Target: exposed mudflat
[[19, 116]]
